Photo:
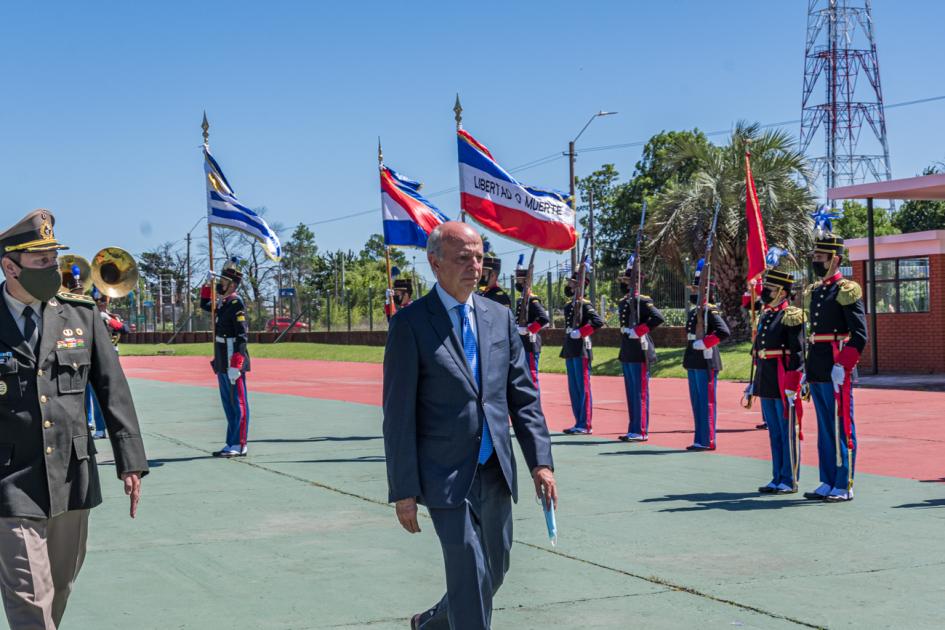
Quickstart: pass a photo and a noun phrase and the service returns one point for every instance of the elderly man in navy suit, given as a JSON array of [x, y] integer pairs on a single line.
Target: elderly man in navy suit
[[454, 373]]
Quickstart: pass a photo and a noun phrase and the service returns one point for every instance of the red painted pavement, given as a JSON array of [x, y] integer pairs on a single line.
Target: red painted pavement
[[900, 433]]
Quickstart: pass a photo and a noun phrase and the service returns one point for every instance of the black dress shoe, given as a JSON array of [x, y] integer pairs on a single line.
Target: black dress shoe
[[767, 490], [417, 621], [761, 426], [813, 496]]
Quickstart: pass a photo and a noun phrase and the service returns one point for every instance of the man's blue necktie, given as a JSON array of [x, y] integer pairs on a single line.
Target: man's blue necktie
[[471, 350]]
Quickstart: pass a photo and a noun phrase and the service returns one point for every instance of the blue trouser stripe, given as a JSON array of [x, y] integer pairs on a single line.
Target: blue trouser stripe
[[93, 411], [579, 394], [699, 400], [632, 374], [232, 407], [779, 434], [825, 406]]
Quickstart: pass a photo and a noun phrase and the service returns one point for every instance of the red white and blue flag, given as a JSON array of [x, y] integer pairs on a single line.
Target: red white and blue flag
[[408, 217], [492, 197]]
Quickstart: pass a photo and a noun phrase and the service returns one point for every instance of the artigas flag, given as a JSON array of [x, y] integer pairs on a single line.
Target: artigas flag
[[492, 197], [408, 217]]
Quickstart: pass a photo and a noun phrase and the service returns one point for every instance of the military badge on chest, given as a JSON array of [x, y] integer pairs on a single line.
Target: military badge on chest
[[71, 339]]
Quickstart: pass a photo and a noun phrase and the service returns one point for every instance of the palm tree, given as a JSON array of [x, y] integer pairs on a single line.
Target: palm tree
[[682, 212]]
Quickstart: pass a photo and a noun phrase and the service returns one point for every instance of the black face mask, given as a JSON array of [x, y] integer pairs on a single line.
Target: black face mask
[[221, 288], [519, 287], [767, 295], [819, 267], [42, 284], [624, 287], [398, 299], [569, 292], [693, 299], [483, 281]]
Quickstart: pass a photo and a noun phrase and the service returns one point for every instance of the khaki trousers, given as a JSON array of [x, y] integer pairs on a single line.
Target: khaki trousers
[[39, 562]]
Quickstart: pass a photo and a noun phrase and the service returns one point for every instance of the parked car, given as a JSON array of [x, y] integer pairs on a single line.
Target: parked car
[[278, 324]]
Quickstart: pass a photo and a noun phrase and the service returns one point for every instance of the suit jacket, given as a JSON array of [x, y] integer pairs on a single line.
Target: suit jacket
[[47, 457], [434, 410]]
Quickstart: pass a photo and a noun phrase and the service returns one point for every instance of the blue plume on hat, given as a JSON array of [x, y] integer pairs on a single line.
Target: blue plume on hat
[[632, 259], [486, 246], [394, 272], [700, 265], [774, 256], [521, 260], [823, 219]]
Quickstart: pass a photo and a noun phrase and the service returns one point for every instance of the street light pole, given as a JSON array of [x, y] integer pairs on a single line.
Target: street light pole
[[572, 155]]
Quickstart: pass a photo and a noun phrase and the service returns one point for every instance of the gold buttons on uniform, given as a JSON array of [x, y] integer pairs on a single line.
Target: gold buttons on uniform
[[48, 450], [42, 399], [47, 424]]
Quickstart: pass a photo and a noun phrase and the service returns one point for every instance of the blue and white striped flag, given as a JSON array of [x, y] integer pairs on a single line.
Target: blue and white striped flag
[[225, 210]]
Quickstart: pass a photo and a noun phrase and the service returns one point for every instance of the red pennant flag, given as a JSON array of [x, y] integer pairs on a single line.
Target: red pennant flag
[[757, 243]]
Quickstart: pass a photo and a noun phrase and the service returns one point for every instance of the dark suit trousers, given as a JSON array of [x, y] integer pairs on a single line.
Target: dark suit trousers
[[476, 538]]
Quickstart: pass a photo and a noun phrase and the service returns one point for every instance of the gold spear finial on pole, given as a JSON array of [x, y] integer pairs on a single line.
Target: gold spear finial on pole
[[458, 108], [205, 125]]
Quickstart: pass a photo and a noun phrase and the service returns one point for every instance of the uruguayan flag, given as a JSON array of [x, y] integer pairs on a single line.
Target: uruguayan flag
[[225, 210]]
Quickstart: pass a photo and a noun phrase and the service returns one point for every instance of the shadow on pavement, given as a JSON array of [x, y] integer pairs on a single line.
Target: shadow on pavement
[[928, 503], [729, 501], [366, 459], [320, 438], [639, 451]]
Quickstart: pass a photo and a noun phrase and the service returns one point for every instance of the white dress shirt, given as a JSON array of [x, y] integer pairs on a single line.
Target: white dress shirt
[[16, 309]]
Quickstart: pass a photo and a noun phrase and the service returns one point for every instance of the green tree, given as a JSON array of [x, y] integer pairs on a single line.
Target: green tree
[[853, 224], [682, 212], [921, 215], [617, 222]]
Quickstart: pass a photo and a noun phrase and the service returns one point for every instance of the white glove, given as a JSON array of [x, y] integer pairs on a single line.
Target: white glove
[[575, 334], [698, 344], [632, 333], [707, 354], [233, 374], [625, 331], [789, 394], [837, 375], [523, 331], [210, 277]]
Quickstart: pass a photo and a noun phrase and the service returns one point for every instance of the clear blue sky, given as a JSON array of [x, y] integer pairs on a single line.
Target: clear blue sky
[[100, 107]]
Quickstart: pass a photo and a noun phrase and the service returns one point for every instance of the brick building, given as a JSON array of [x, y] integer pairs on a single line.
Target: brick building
[[906, 300], [910, 300]]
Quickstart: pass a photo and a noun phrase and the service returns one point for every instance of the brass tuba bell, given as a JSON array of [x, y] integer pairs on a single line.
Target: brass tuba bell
[[71, 284], [114, 272]]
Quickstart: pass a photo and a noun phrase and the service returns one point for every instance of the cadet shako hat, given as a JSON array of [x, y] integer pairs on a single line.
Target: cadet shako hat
[[403, 284], [231, 271], [828, 243], [492, 263], [32, 233], [779, 278], [587, 279]]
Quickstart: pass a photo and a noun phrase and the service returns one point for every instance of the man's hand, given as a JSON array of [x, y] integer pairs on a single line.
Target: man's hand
[[698, 344], [575, 334], [522, 330], [838, 375], [233, 374], [132, 489], [545, 485], [407, 514]]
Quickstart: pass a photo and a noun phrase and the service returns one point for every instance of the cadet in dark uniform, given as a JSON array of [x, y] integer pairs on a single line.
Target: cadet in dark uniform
[[489, 282], [536, 318], [638, 316], [779, 355], [230, 357], [402, 296], [51, 346], [578, 355], [837, 337], [703, 363]]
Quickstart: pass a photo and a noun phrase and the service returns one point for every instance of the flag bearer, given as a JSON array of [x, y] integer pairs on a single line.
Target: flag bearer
[[703, 363], [489, 282], [638, 316], [837, 337], [578, 355], [779, 353], [536, 318], [230, 357]]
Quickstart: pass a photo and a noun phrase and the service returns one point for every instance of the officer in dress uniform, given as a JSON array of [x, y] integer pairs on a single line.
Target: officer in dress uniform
[[51, 346], [837, 337], [703, 363], [535, 319], [489, 282], [779, 354], [230, 357], [401, 295], [578, 355], [638, 316]]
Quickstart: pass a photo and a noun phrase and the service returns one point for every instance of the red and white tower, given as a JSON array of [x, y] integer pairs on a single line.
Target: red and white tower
[[842, 91]]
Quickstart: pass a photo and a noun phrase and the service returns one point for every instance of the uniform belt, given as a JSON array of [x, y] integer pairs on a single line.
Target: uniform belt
[[828, 337], [773, 354]]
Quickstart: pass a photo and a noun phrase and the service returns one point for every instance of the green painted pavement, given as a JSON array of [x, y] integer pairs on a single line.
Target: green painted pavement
[[298, 535]]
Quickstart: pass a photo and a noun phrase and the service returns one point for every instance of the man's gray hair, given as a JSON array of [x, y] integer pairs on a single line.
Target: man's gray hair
[[435, 242]]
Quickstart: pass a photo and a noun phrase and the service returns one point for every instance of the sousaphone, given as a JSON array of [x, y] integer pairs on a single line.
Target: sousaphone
[[114, 272]]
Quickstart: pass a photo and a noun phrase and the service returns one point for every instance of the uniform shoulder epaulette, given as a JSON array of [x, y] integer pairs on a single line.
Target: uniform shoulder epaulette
[[793, 316], [75, 298], [534, 298], [849, 292], [810, 288], [645, 298]]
